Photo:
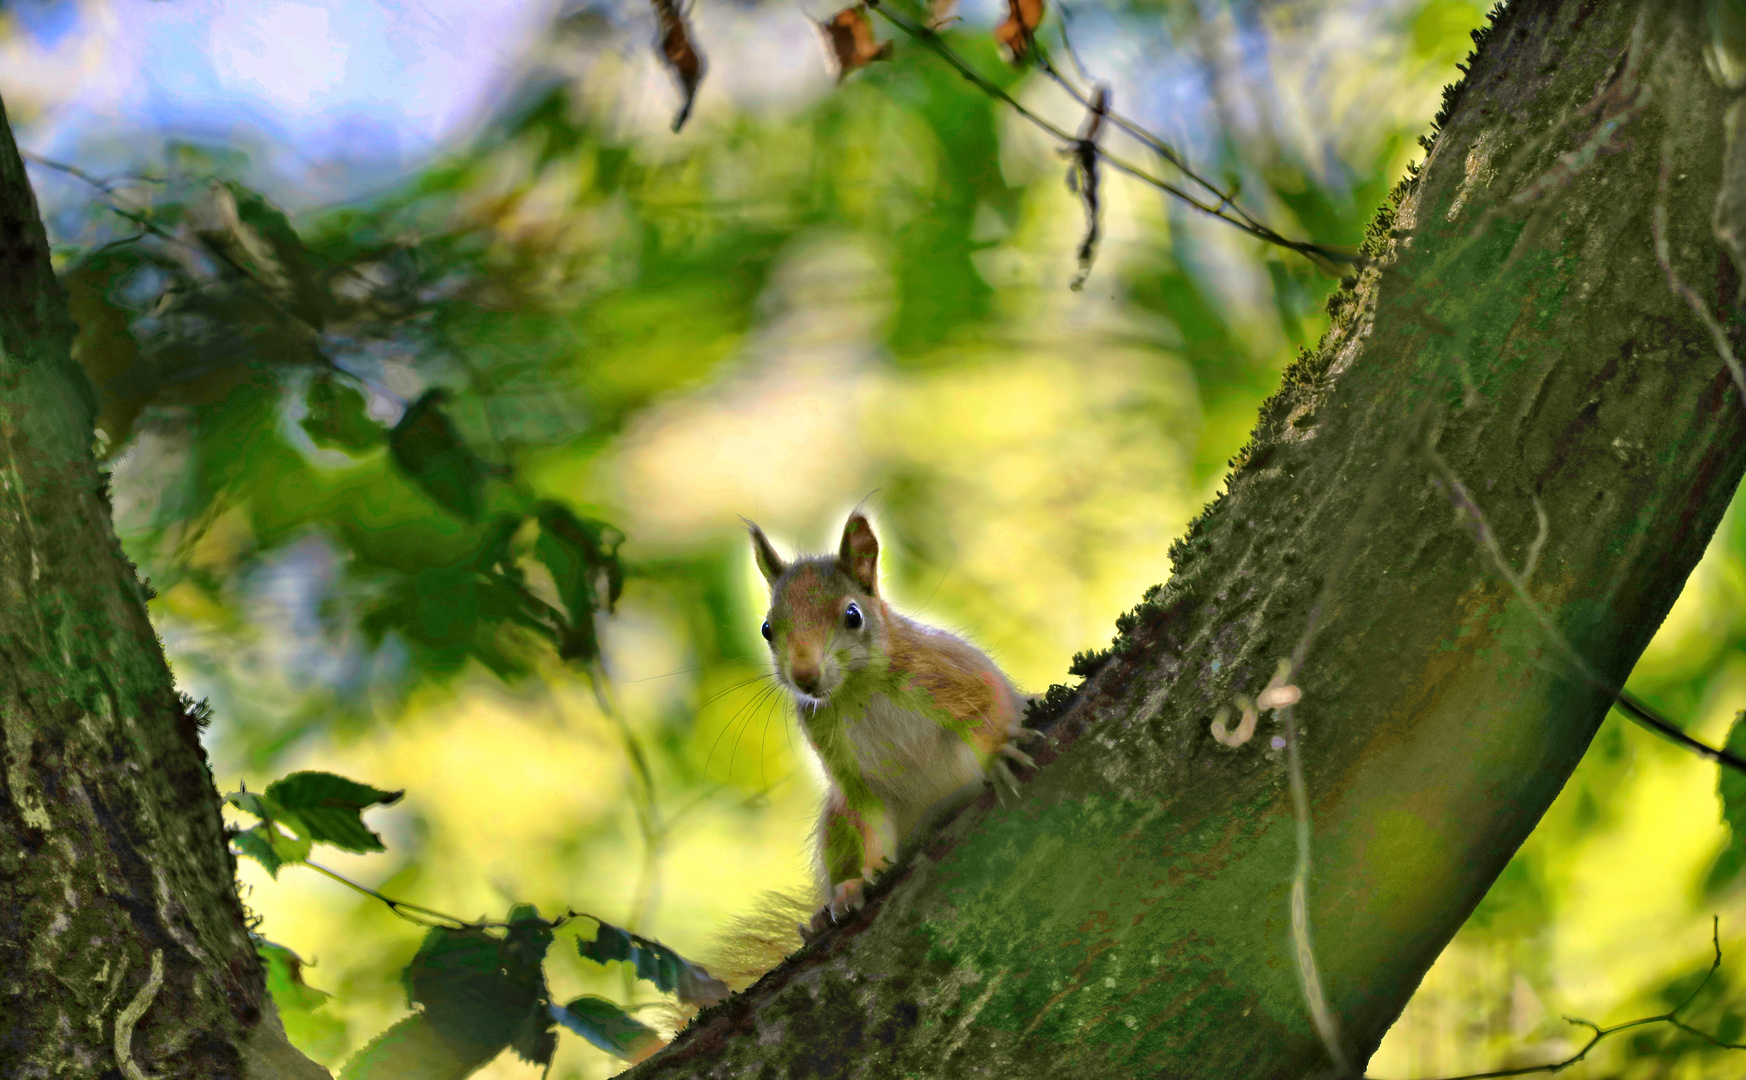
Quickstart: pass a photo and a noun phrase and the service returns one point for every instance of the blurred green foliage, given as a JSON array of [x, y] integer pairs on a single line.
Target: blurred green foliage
[[391, 464]]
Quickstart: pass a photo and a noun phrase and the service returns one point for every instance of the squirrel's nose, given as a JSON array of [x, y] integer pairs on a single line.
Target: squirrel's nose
[[806, 677]]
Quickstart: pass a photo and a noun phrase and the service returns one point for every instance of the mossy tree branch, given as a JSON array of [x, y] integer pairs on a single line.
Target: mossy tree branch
[[123, 946], [1516, 331]]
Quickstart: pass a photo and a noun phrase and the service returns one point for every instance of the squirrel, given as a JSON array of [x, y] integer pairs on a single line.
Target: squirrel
[[902, 715]]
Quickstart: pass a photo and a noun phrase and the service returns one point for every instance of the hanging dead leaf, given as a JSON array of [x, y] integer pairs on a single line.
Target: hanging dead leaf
[[1082, 178], [848, 36], [1022, 19], [679, 53]]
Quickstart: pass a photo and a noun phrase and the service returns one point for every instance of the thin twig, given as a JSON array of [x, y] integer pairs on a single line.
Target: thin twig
[[1241, 221], [409, 912], [80, 174], [147, 225], [1067, 42], [1670, 1017], [1151, 141]]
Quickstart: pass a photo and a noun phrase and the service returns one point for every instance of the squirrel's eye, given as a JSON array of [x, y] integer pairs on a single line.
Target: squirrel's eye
[[766, 630], [852, 617]]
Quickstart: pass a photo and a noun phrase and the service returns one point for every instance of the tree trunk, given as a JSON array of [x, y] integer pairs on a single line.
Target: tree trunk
[[1519, 344], [124, 951], [1519, 368]]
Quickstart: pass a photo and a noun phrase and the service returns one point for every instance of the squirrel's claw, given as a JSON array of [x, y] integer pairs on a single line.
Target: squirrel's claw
[[846, 899], [1010, 751], [1020, 732]]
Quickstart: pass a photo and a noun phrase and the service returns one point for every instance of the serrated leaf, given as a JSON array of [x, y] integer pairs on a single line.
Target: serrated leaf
[[582, 556], [608, 1027], [413, 1050], [476, 988], [267, 844], [249, 802], [428, 448], [254, 844], [311, 1028], [537, 1039], [329, 807], [337, 416], [655, 962], [1732, 787], [284, 971], [610, 943]]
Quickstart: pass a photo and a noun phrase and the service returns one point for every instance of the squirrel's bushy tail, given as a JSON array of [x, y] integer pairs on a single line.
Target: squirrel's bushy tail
[[750, 946], [756, 942]]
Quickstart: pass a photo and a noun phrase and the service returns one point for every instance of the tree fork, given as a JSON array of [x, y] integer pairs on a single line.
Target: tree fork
[[1517, 335], [123, 946]]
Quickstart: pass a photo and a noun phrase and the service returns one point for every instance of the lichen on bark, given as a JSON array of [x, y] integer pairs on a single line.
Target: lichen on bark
[[123, 947], [1515, 338]]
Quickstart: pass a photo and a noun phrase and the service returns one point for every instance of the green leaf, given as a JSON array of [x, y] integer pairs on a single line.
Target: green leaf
[[284, 970], [105, 346], [271, 847], [250, 803], [427, 447], [257, 844], [608, 1027], [478, 989], [310, 1027], [413, 1050], [337, 417], [266, 843], [1730, 1027], [655, 962], [254, 236], [1732, 787], [536, 1040], [582, 555], [330, 808]]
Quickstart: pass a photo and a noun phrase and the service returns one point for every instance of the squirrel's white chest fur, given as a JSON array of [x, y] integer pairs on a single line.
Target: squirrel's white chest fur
[[909, 760]]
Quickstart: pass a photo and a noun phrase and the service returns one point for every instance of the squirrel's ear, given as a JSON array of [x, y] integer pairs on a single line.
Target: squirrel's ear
[[770, 564], [859, 555]]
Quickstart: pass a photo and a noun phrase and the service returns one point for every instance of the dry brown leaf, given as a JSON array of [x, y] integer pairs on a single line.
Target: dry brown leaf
[[1022, 19], [848, 35], [1083, 179], [679, 53]]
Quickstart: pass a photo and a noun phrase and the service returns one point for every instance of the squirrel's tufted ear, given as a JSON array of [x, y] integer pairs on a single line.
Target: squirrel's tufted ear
[[770, 564], [859, 555]]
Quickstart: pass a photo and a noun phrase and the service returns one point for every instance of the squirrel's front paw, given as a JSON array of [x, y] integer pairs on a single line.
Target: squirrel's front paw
[[845, 900]]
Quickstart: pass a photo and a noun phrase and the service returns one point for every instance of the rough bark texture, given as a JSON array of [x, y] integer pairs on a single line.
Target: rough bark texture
[[123, 949], [1131, 915]]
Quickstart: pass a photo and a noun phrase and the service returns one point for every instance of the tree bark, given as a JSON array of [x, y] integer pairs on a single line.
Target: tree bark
[[1520, 351], [1519, 367], [124, 950]]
